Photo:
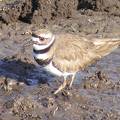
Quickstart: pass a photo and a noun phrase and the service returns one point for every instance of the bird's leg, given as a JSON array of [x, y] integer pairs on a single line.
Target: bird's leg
[[62, 86], [71, 82]]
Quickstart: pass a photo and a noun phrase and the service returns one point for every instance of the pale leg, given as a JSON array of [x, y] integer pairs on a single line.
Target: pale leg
[[62, 86], [71, 82]]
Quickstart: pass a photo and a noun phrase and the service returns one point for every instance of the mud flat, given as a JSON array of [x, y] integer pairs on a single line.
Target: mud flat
[[26, 91]]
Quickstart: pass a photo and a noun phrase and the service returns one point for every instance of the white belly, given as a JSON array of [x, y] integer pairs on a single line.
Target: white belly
[[50, 68]]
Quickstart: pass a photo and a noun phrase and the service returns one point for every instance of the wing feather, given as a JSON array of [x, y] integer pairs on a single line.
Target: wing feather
[[72, 52]]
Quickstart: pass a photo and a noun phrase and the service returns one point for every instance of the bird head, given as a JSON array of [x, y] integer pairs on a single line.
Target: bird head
[[42, 39]]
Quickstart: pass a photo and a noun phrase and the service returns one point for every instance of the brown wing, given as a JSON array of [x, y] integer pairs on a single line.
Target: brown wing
[[72, 53]]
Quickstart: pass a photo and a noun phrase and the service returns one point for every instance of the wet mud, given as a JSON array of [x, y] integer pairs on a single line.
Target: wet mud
[[26, 91]]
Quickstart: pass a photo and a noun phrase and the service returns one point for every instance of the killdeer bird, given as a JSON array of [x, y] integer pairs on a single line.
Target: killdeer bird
[[65, 54]]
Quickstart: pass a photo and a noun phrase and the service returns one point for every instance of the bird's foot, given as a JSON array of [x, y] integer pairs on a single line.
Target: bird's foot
[[66, 93], [58, 90], [61, 87]]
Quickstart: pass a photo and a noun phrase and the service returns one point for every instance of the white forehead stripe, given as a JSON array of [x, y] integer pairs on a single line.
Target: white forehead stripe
[[48, 35]]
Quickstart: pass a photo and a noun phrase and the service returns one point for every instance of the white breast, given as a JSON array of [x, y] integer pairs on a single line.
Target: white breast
[[43, 56], [50, 68]]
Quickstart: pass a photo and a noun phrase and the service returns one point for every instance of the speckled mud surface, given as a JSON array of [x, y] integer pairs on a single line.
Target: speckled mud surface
[[26, 91]]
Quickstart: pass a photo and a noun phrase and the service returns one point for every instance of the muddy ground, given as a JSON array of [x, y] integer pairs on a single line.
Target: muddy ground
[[26, 91]]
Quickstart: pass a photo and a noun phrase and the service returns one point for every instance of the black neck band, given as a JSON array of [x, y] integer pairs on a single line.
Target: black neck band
[[43, 62]]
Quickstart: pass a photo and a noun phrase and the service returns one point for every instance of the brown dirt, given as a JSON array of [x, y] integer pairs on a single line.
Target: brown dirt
[[26, 91]]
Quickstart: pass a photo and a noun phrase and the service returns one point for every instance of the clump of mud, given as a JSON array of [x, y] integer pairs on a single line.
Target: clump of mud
[[45, 11], [37, 10], [100, 81], [88, 102]]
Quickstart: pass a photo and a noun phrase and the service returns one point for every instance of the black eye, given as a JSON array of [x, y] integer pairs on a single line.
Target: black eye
[[34, 35], [41, 38]]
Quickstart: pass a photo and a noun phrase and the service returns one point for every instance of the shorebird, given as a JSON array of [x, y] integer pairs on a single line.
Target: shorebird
[[65, 54]]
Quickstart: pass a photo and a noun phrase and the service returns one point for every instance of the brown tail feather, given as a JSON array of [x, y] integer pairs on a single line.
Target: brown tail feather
[[105, 46]]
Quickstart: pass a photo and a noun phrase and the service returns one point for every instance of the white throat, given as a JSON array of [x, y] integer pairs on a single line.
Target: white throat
[[41, 47]]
